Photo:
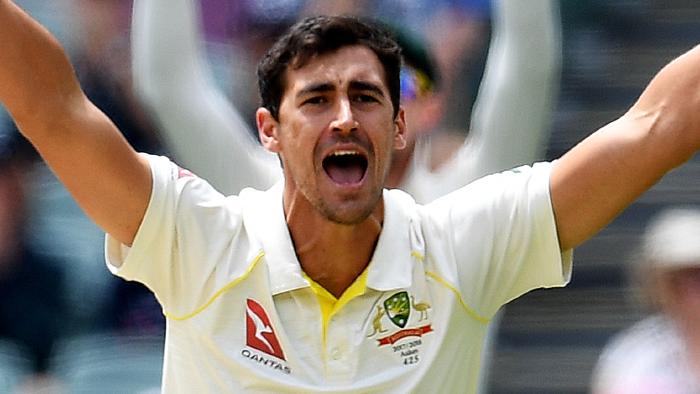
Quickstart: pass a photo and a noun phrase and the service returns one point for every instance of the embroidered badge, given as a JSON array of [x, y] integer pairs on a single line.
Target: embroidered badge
[[409, 332], [403, 341], [420, 307], [398, 308], [377, 322]]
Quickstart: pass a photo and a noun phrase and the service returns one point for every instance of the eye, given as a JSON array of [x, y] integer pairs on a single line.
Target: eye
[[314, 100], [365, 98]]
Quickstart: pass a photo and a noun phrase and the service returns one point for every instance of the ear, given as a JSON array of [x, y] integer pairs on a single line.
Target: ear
[[267, 129], [400, 130]]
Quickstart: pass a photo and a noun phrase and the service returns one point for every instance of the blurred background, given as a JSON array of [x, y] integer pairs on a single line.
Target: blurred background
[[65, 322]]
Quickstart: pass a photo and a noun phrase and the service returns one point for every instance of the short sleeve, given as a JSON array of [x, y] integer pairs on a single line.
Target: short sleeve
[[503, 237], [182, 207]]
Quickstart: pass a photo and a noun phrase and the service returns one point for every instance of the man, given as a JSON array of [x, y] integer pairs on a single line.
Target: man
[[661, 353], [510, 127], [325, 282]]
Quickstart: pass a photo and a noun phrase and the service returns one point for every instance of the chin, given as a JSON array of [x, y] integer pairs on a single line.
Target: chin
[[348, 218], [347, 214]]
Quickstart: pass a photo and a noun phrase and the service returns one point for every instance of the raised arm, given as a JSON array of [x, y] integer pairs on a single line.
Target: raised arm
[[110, 181], [198, 123], [513, 111], [603, 174]]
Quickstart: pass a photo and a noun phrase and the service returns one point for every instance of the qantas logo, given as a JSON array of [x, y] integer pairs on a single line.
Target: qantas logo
[[259, 332]]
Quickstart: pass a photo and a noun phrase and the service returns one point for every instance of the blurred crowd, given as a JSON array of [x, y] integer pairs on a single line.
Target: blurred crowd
[[55, 290]]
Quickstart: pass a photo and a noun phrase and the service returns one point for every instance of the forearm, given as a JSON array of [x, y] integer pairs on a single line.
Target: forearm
[[37, 81], [516, 98], [600, 177]]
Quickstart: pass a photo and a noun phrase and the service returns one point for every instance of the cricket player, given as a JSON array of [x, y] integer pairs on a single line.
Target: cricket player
[[327, 282], [210, 137]]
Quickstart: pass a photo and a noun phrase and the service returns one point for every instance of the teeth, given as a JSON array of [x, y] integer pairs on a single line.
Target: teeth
[[344, 153]]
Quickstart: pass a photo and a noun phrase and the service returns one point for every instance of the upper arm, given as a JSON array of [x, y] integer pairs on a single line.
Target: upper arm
[[598, 178], [107, 178], [602, 175]]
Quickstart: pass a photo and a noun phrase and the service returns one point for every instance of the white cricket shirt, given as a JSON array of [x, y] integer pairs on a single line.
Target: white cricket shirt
[[242, 317]]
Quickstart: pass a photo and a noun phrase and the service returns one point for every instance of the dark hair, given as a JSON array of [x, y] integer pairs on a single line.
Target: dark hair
[[319, 35]]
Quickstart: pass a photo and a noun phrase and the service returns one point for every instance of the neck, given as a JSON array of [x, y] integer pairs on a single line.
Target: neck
[[333, 254]]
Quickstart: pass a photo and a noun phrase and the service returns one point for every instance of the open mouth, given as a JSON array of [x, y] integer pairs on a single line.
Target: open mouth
[[345, 167]]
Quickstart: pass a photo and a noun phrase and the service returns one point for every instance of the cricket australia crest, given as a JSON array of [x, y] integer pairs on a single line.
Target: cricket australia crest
[[398, 308], [404, 340]]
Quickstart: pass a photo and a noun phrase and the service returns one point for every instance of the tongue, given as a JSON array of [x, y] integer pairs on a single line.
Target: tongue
[[345, 174]]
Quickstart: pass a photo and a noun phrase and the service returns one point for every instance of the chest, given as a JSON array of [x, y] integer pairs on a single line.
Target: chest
[[379, 337]]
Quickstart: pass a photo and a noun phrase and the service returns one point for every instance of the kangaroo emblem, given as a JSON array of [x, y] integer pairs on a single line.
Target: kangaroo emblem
[[377, 322]]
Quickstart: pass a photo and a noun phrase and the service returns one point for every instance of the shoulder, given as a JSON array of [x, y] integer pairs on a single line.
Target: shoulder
[[506, 190]]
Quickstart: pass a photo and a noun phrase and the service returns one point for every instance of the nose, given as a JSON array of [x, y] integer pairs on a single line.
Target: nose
[[344, 122]]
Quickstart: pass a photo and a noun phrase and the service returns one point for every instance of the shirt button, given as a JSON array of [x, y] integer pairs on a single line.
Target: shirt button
[[336, 354]]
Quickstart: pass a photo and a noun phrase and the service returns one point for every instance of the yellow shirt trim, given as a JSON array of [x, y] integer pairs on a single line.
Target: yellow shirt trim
[[221, 291], [470, 311], [331, 305]]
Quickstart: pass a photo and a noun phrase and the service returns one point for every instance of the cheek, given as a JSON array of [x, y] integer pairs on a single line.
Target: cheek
[[291, 134], [298, 148]]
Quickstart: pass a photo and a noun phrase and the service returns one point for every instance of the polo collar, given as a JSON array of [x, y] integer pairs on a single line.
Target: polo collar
[[263, 214], [391, 266], [392, 261]]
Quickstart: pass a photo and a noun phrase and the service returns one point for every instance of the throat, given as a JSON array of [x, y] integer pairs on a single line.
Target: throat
[[335, 267], [330, 253], [335, 255]]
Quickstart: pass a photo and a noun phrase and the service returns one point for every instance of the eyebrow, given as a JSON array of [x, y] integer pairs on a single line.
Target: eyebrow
[[367, 86], [323, 87], [320, 87]]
